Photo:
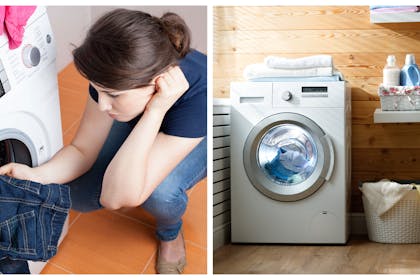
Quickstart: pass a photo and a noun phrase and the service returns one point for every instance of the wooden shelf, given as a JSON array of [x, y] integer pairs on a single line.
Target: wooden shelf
[[396, 116], [394, 17]]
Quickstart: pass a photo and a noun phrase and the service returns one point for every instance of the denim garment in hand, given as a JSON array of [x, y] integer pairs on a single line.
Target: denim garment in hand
[[8, 266], [32, 217]]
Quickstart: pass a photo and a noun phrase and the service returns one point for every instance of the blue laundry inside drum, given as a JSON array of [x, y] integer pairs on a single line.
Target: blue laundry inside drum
[[287, 154]]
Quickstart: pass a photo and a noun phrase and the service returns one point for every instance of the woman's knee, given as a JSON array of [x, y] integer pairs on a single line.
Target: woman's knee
[[112, 203]]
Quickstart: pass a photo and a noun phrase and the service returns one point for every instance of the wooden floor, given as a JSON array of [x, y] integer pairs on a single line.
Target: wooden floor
[[358, 256], [119, 241]]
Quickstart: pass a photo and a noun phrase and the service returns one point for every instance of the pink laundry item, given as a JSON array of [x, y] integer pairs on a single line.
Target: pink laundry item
[[2, 13], [15, 18]]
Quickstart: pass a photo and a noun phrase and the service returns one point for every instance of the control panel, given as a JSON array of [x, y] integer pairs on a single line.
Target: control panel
[[4, 82], [308, 94], [36, 52]]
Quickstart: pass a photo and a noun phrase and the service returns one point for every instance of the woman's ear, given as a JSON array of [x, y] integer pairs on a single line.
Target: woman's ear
[[153, 81]]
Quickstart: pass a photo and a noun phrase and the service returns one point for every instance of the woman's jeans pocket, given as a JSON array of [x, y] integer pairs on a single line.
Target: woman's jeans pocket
[[17, 235]]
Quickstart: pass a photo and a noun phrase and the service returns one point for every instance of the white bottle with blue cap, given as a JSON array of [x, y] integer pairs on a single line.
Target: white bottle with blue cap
[[410, 74]]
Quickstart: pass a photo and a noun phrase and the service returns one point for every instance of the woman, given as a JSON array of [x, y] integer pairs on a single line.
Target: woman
[[142, 138]]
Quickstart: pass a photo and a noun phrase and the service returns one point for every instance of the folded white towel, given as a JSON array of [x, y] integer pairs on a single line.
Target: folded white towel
[[254, 71], [383, 195], [299, 63]]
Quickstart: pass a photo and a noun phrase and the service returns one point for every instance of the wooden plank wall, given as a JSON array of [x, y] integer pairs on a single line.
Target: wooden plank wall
[[245, 35]]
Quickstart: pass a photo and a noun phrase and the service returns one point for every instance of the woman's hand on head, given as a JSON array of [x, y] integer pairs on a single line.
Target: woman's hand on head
[[19, 171], [170, 86]]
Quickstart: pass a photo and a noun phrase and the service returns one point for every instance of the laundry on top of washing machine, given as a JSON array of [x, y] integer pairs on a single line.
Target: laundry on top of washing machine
[[261, 70], [322, 60], [279, 69], [14, 20]]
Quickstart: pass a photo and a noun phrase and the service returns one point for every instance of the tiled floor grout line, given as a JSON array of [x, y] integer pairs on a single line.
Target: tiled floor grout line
[[152, 227], [149, 261], [60, 267], [74, 220], [133, 219], [195, 244]]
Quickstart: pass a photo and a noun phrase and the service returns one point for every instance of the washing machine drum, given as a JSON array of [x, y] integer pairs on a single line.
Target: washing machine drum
[[13, 150], [288, 157]]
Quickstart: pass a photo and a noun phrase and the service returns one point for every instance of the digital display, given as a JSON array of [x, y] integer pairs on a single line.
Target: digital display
[[2, 91], [314, 89]]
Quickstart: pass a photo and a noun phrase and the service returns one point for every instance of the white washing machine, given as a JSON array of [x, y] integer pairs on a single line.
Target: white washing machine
[[290, 162], [30, 122]]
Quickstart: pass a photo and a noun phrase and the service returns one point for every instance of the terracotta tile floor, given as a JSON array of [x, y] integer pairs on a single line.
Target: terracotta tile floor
[[120, 241]]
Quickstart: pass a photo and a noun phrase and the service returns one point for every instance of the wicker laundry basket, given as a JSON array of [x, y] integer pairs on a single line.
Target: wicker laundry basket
[[400, 224]]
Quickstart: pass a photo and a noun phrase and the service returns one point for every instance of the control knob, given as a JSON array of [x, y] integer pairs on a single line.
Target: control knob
[[286, 95], [31, 56]]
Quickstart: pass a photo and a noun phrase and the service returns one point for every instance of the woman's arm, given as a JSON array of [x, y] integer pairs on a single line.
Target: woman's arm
[[147, 156], [138, 169], [72, 160], [75, 159]]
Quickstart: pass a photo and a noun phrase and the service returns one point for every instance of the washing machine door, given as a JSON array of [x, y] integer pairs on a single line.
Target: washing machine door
[[16, 146], [288, 157], [13, 150]]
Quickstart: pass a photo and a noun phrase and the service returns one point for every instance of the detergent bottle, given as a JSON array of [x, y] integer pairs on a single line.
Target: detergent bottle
[[391, 72], [410, 75]]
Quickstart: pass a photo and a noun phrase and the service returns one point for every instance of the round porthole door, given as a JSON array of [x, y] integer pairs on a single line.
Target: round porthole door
[[16, 146], [13, 150], [288, 157]]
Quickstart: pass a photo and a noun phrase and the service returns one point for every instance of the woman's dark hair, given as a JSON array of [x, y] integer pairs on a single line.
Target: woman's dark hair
[[126, 49]]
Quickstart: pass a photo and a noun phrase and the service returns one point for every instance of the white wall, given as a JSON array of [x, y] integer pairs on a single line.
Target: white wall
[[194, 16], [70, 24]]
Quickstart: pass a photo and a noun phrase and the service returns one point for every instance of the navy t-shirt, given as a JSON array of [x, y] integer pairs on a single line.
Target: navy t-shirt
[[188, 116]]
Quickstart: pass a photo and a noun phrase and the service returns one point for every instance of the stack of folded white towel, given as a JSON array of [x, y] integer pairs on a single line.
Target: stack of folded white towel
[[281, 67]]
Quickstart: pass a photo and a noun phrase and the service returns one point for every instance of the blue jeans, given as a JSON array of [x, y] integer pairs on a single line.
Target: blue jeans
[[32, 216], [8, 266], [168, 201]]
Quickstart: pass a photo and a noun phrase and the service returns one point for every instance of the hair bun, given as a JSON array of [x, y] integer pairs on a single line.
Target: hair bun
[[178, 32]]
